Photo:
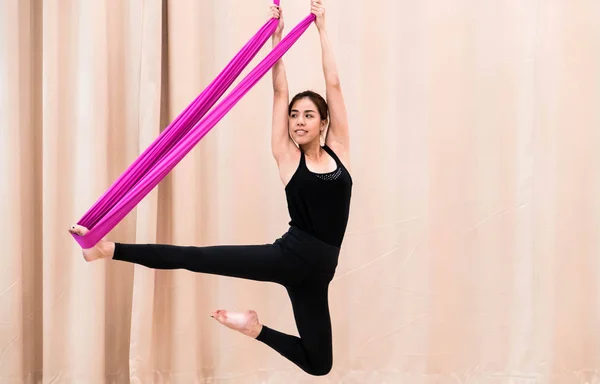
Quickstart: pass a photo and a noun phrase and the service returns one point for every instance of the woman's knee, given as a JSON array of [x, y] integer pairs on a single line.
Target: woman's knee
[[320, 369]]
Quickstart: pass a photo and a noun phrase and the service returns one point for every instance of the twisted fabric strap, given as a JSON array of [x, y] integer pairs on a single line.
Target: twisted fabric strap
[[178, 139]]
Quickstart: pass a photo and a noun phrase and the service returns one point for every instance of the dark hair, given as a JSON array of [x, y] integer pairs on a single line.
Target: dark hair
[[315, 98]]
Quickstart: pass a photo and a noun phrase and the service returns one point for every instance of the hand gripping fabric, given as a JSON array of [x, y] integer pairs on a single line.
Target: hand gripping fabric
[[178, 139]]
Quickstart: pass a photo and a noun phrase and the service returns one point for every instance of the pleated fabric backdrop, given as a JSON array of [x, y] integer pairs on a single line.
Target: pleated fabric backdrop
[[472, 252]]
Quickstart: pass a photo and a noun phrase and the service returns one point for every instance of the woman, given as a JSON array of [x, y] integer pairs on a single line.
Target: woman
[[318, 190]]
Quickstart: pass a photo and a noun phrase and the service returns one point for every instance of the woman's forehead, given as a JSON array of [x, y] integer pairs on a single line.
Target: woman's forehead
[[304, 104]]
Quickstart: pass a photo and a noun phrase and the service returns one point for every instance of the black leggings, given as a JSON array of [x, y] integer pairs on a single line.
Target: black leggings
[[303, 264]]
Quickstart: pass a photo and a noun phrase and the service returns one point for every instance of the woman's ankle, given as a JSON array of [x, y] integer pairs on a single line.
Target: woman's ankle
[[109, 249], [257, 331]]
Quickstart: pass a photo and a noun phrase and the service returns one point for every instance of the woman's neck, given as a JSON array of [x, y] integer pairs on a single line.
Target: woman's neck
[[313, 151]]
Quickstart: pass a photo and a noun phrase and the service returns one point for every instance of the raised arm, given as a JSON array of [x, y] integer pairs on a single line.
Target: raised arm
[[280, 139], [338, 134]]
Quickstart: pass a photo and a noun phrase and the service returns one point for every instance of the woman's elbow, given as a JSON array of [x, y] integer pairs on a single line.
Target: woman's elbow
[[333, 80]]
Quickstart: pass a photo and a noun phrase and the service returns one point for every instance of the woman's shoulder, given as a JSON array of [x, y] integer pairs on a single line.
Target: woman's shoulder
[[341, 152]]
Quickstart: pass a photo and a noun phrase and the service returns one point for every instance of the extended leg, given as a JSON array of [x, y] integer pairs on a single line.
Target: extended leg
[[254, 262]]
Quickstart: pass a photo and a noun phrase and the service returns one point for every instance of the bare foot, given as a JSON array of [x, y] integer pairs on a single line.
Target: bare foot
[[103, 250], [244, 322]]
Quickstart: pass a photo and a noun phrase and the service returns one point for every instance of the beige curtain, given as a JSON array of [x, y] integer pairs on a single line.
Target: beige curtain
[[472, 253]]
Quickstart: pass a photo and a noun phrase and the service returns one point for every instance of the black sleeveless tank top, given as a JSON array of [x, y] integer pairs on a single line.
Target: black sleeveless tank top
[[319, 203]]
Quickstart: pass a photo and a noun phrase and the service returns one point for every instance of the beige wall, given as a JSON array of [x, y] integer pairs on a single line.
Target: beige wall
[[473, 245]]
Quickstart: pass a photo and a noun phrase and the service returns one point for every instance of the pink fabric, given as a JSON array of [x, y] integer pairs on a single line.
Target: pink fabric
[[175, 142]]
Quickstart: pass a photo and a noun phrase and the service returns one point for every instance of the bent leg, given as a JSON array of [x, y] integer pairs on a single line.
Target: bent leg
[[266, 262], [312, 351]]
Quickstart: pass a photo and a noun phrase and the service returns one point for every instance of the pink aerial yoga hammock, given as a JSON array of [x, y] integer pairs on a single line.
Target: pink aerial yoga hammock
[[174, 143]]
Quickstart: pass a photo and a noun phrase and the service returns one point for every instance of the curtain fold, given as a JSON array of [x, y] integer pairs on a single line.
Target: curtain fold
[[472, 249]]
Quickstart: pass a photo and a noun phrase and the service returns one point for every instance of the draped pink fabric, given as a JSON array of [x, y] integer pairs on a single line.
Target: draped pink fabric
[[173, 144]]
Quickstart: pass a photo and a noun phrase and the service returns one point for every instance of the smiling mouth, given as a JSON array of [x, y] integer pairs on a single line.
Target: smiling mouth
[[301, 131]]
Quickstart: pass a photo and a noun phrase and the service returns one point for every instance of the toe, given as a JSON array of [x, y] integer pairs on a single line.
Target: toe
[[78, 229], [221, 316]]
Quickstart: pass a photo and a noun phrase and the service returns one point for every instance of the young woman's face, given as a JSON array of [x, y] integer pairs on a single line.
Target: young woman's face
[[305, 123]]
